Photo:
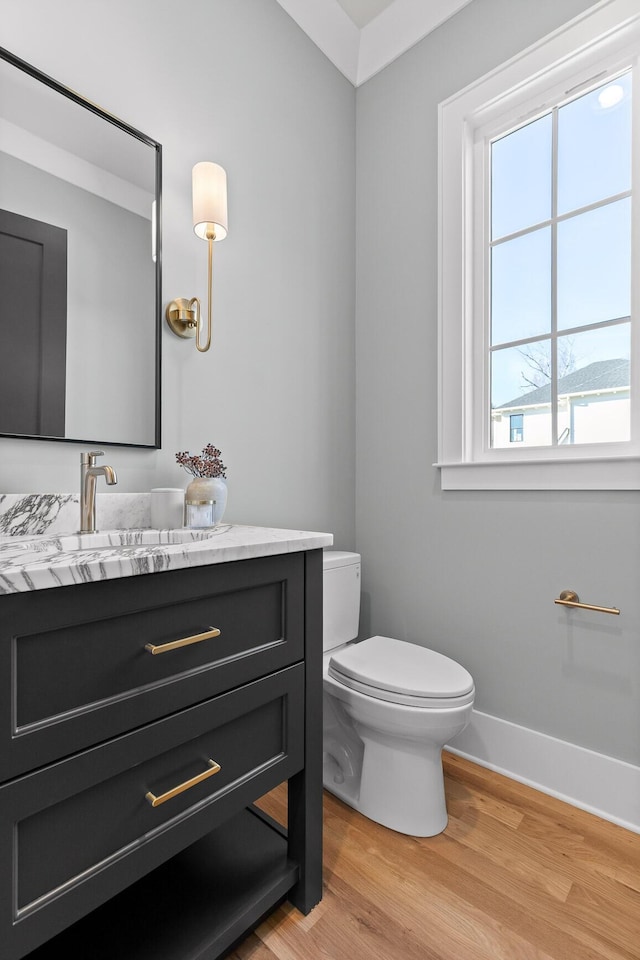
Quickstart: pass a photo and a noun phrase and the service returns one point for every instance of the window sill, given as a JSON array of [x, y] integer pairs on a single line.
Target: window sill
[[607, 473]]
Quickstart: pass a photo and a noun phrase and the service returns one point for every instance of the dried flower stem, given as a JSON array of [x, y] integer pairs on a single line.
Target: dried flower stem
[[207, 464]]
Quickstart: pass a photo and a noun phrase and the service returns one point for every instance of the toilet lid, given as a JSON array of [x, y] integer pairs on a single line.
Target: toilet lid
[[395, 667]]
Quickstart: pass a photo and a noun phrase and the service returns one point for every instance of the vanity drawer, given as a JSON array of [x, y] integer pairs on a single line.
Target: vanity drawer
[[79, 830], [88, 662]]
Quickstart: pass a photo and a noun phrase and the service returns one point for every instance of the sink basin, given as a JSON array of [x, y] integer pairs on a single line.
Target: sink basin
[[131, 538], [107, 540]]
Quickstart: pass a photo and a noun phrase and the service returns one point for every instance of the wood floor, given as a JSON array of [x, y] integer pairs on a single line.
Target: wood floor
[[516, 875]]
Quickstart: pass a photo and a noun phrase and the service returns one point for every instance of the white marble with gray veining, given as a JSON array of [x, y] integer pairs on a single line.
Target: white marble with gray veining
[[37, 513], [29, 562]]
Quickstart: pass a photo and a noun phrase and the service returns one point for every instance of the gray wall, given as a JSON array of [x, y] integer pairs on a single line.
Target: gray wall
[[237, 82], [473, 575]]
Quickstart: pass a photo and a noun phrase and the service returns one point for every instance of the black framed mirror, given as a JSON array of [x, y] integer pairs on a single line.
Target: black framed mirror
[[80, 267]]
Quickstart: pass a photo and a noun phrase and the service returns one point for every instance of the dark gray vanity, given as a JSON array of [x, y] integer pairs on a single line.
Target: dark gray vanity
[[130, 763]]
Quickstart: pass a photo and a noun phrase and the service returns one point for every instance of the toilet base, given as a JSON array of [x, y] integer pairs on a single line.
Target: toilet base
[[401, 790], [404, 789]]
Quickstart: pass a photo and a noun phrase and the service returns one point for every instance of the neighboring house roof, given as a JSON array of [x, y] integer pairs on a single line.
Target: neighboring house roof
[[600, 375]]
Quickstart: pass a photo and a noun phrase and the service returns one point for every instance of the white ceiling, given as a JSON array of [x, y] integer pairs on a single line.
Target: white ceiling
[[361, 37], [362, 11]]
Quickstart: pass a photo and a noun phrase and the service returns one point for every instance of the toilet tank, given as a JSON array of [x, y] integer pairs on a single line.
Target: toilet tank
[[341, 597]]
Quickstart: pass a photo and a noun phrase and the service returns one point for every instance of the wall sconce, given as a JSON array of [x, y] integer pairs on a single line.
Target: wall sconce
[[209, 223]]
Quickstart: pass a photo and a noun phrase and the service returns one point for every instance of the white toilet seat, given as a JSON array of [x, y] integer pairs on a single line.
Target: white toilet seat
[[399, 672]]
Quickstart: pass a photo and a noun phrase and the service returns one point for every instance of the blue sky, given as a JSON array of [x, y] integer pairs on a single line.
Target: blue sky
[[594, 248]]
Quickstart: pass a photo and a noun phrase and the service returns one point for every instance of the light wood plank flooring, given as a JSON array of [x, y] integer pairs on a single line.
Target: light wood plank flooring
[[516, 875]]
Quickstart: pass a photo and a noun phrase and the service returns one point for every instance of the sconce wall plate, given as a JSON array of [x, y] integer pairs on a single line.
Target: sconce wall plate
[[181, 317]]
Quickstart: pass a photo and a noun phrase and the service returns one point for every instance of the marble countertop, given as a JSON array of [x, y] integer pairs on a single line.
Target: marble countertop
[[39, 562]]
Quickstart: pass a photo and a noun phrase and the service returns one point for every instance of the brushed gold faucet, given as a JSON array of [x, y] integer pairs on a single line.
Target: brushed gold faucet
[[88, 475]]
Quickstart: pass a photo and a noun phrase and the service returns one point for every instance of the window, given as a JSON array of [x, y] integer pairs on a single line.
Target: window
[[559, 255], [538, 355], [516, 428]]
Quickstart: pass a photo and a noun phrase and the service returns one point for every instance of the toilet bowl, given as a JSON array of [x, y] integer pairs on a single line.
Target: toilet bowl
[[389, 707]]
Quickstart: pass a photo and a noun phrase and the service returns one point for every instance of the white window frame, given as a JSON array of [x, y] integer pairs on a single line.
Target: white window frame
[[582, 54]]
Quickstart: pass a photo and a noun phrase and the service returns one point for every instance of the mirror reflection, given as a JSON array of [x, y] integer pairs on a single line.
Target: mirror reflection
[[79, 267]]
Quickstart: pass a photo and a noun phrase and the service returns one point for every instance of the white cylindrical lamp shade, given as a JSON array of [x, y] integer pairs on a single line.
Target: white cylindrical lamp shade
[[210, 200]]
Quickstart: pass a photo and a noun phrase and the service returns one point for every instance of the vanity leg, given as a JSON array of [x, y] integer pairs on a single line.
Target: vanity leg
[[305, 788]]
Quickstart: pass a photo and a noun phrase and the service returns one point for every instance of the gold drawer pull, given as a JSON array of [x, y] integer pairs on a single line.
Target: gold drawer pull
[[174, 644], [156, 801]]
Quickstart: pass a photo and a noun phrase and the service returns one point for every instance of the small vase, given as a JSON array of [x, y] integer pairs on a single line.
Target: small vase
[[205, 500]]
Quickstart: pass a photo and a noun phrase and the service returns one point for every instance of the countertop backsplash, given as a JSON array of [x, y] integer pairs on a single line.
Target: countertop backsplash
[[22, 514]]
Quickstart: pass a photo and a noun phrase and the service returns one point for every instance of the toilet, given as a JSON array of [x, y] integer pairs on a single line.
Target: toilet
[[389, 707]]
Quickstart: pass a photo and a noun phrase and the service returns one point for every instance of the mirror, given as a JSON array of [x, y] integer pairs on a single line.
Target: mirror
[[79, 267]]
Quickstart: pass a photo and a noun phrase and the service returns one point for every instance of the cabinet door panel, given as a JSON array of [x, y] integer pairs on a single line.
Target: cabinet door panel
[[81, 829]]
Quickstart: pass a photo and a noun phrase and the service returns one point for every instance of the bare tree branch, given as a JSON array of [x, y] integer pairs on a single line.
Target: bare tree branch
[[538, 359]]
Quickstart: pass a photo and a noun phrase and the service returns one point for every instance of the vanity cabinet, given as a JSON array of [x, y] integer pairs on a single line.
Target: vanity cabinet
[[140, 719]]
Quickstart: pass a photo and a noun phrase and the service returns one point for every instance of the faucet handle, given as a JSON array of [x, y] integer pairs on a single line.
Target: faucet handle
[[90, 458]]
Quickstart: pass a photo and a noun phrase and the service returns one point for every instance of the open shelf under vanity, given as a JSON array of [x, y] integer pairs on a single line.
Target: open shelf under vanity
[[195, 906]]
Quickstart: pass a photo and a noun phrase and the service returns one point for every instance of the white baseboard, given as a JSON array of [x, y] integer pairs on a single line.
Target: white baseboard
[[602, 785]]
